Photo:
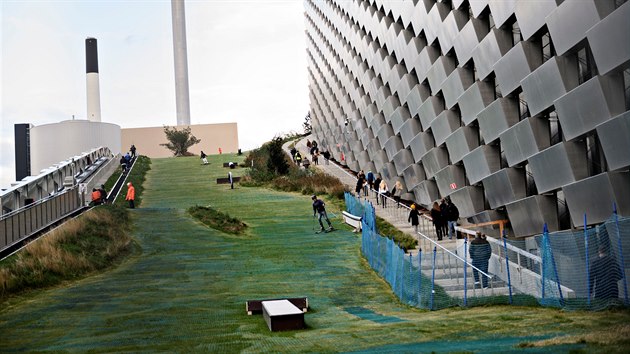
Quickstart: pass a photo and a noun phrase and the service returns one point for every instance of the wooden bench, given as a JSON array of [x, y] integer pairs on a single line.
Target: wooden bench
[[352, 220], [227, 180], [255, 306], [282, 315]]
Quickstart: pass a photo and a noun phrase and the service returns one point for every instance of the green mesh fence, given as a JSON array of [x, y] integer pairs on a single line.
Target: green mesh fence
[[186, 290]]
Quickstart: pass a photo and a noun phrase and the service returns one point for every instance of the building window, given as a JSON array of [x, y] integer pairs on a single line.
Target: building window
[[595, 160], [586, 64], [555, 130], [626, 87], [523, 110]]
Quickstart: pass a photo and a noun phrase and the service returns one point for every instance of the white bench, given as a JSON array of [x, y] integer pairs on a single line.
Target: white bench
[[282, 315], [352, 220]]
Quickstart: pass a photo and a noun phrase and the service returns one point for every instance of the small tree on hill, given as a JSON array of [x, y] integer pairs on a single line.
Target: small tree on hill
[[179, 140], [308, 128], [277, 162]]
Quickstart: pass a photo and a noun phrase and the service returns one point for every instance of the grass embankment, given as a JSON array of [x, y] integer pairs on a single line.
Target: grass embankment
[[218, 220], [403, 240], [94, 241]]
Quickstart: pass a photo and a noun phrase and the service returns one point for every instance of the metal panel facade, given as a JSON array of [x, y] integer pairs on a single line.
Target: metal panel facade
[[437, 93]]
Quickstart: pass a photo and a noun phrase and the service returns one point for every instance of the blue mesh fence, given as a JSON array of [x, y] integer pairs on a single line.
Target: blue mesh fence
[[579, 269], [586, 269]]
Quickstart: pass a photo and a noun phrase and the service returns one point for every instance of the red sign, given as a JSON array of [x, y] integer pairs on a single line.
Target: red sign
[[453, 186]]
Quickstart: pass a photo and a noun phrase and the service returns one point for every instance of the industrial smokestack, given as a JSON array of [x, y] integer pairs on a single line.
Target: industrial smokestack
[[93, 91], [181, 62]]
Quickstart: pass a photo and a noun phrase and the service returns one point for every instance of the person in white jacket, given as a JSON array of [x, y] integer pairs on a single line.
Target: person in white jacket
[[383, 191]]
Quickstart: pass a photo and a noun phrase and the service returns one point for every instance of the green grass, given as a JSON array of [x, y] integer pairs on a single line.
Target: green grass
[[388, 230], [186, 290]]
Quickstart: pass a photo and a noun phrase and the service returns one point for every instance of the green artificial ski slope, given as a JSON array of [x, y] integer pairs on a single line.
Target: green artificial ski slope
[[186, 291]]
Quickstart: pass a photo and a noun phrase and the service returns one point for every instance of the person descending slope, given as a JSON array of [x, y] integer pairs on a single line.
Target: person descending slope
[[319, 207]]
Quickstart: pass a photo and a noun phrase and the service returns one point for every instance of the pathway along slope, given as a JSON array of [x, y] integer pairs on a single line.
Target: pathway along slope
[[186, 291]]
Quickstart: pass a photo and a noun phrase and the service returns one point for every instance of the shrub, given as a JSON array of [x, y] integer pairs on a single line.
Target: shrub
[[217, 220]]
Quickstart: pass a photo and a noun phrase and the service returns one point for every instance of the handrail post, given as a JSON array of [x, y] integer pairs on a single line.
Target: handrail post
[[507, 267]]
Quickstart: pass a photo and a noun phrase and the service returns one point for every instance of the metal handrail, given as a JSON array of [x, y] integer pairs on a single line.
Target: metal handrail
[[454, 255]]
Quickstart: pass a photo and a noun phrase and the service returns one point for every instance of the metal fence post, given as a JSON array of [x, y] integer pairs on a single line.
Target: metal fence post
[[433, 279], [410, 272], [542, 263], [420, 278], [588, 282], [465, 272], [623, 273], [553, 263]]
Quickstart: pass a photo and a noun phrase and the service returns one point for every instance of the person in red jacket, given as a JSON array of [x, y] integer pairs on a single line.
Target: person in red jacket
[[131, 195]]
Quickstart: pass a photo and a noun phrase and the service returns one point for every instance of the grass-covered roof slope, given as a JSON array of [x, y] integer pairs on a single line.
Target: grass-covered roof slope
[[186, 290]]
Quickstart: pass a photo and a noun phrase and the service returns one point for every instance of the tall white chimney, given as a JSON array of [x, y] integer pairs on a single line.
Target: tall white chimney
[[93, 91], [181, 62]]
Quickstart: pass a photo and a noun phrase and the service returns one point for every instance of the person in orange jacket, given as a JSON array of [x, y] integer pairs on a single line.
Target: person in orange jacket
[[96, 197], [131, 195]]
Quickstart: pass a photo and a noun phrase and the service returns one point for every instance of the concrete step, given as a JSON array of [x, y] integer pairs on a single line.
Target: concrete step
[[458, 284], [503, 290]]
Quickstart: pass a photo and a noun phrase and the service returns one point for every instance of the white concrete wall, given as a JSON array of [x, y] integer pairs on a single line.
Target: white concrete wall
[[52, 143]]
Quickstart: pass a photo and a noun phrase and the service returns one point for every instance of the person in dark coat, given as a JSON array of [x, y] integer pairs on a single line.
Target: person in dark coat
[[103, 192], [452, 215], [377, 183], [370, 181], [326, 155], [436, 216], [359, 187], [604, 275], [443, 225], [480, 252], [414, 216], [319, 208]]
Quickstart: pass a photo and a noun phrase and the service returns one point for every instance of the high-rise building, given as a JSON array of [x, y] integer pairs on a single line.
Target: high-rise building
[[514, 110]]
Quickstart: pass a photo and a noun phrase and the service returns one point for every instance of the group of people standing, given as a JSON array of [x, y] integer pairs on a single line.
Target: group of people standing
[[367, 182], [444, 216], [313, 150], [125, 160]]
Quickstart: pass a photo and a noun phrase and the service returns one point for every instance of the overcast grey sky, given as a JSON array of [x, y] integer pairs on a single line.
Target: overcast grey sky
[[246, 64]]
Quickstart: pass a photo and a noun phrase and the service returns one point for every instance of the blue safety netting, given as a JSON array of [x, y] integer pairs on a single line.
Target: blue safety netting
[[586, 269], [582, 269]]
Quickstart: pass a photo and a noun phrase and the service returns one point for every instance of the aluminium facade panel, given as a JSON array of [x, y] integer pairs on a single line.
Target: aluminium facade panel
[[436, 91]]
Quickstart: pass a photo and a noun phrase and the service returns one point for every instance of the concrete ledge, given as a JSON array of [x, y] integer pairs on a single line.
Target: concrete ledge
[[282, 315], [255, 306], [352, 220]]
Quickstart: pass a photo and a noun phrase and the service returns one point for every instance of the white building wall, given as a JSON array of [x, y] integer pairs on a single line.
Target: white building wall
[[52, 143]]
